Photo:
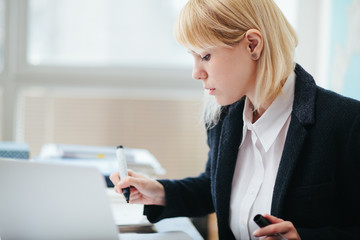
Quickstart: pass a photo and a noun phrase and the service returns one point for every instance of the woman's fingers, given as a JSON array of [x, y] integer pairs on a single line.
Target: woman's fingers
[[272, 229], [132, 181], [144, 190], [135, 174], [114, 178], [278, 226], [273, 219]]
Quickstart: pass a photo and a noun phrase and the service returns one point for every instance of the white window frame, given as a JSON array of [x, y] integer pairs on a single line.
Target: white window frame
[[17, 75]]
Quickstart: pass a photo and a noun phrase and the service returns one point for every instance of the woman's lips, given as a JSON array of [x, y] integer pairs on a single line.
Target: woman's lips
[[210, 90]]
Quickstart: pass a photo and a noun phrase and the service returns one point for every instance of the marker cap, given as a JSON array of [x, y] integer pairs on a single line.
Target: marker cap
[[261, 221]]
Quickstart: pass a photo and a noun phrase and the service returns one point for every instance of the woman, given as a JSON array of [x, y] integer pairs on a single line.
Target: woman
[[278, 143]]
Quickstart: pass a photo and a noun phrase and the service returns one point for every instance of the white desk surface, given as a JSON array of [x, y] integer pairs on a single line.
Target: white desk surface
[[132, 214]]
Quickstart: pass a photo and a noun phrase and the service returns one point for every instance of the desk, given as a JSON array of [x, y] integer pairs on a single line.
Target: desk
[[130, 220]]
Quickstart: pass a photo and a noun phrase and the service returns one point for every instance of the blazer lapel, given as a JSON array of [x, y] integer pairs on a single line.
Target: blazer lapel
[[302, 115], [293, 145], [229, 143]]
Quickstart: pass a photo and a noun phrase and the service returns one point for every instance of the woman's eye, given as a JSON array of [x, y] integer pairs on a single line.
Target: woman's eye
[[206, 57]]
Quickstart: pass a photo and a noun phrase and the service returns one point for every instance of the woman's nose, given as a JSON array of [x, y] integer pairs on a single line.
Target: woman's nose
[[198, 73]]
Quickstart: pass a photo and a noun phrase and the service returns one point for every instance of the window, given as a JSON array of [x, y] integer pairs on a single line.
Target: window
[[289, 8], [2, 31], [136, 33]]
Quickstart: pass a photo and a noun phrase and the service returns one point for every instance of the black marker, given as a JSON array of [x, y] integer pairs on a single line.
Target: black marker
[[262, 222], [120, 154]]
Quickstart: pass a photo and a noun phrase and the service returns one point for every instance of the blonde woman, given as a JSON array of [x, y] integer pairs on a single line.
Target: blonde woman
[[279, 144]]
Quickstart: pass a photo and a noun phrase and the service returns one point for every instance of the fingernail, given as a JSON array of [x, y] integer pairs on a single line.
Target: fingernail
[[256, 232]]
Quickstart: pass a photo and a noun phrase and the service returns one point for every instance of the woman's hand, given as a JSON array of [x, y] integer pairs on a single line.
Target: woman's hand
[[278, 225], [143, 190]]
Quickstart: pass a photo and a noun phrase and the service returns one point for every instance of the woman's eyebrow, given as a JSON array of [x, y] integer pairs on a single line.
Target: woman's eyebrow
[[193, 52]]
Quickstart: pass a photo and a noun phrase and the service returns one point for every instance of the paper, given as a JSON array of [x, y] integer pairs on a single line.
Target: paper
[[155, 236], [126, 214]]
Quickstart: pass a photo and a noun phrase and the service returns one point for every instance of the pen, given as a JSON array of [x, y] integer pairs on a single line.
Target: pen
[[262, 222], [121, 159]]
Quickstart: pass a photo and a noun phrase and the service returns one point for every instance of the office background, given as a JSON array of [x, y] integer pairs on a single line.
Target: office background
[[96, 72]]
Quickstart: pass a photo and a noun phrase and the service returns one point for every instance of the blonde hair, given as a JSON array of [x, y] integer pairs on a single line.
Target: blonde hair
[[204, 24]]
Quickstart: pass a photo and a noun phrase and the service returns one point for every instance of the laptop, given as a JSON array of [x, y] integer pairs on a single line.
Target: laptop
[[55, 201], [51, 201]]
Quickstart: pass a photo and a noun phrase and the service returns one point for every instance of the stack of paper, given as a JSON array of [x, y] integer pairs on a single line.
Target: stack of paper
[[101, 157]]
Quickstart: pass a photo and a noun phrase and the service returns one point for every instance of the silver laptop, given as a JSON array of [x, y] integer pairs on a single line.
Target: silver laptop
[[48, 201], [54, 201]]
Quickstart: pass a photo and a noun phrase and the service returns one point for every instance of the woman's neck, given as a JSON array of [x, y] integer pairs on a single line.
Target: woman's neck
[[257, 113]]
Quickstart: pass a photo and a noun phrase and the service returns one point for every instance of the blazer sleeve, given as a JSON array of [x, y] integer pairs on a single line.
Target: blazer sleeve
[[190, 197], [346, 222]]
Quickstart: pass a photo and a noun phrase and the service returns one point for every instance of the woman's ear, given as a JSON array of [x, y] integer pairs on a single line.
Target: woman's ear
[[255, 43]]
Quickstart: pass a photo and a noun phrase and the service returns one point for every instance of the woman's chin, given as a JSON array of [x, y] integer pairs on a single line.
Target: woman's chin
[[225, 102]]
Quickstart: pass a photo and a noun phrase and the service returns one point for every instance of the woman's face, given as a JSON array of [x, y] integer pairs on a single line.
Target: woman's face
[[227, 73]]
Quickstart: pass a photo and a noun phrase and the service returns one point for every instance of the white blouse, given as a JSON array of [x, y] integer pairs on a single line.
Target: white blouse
[[258, 161]]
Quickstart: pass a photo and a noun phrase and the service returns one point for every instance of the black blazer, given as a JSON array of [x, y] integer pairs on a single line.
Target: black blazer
[[317, 186]]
